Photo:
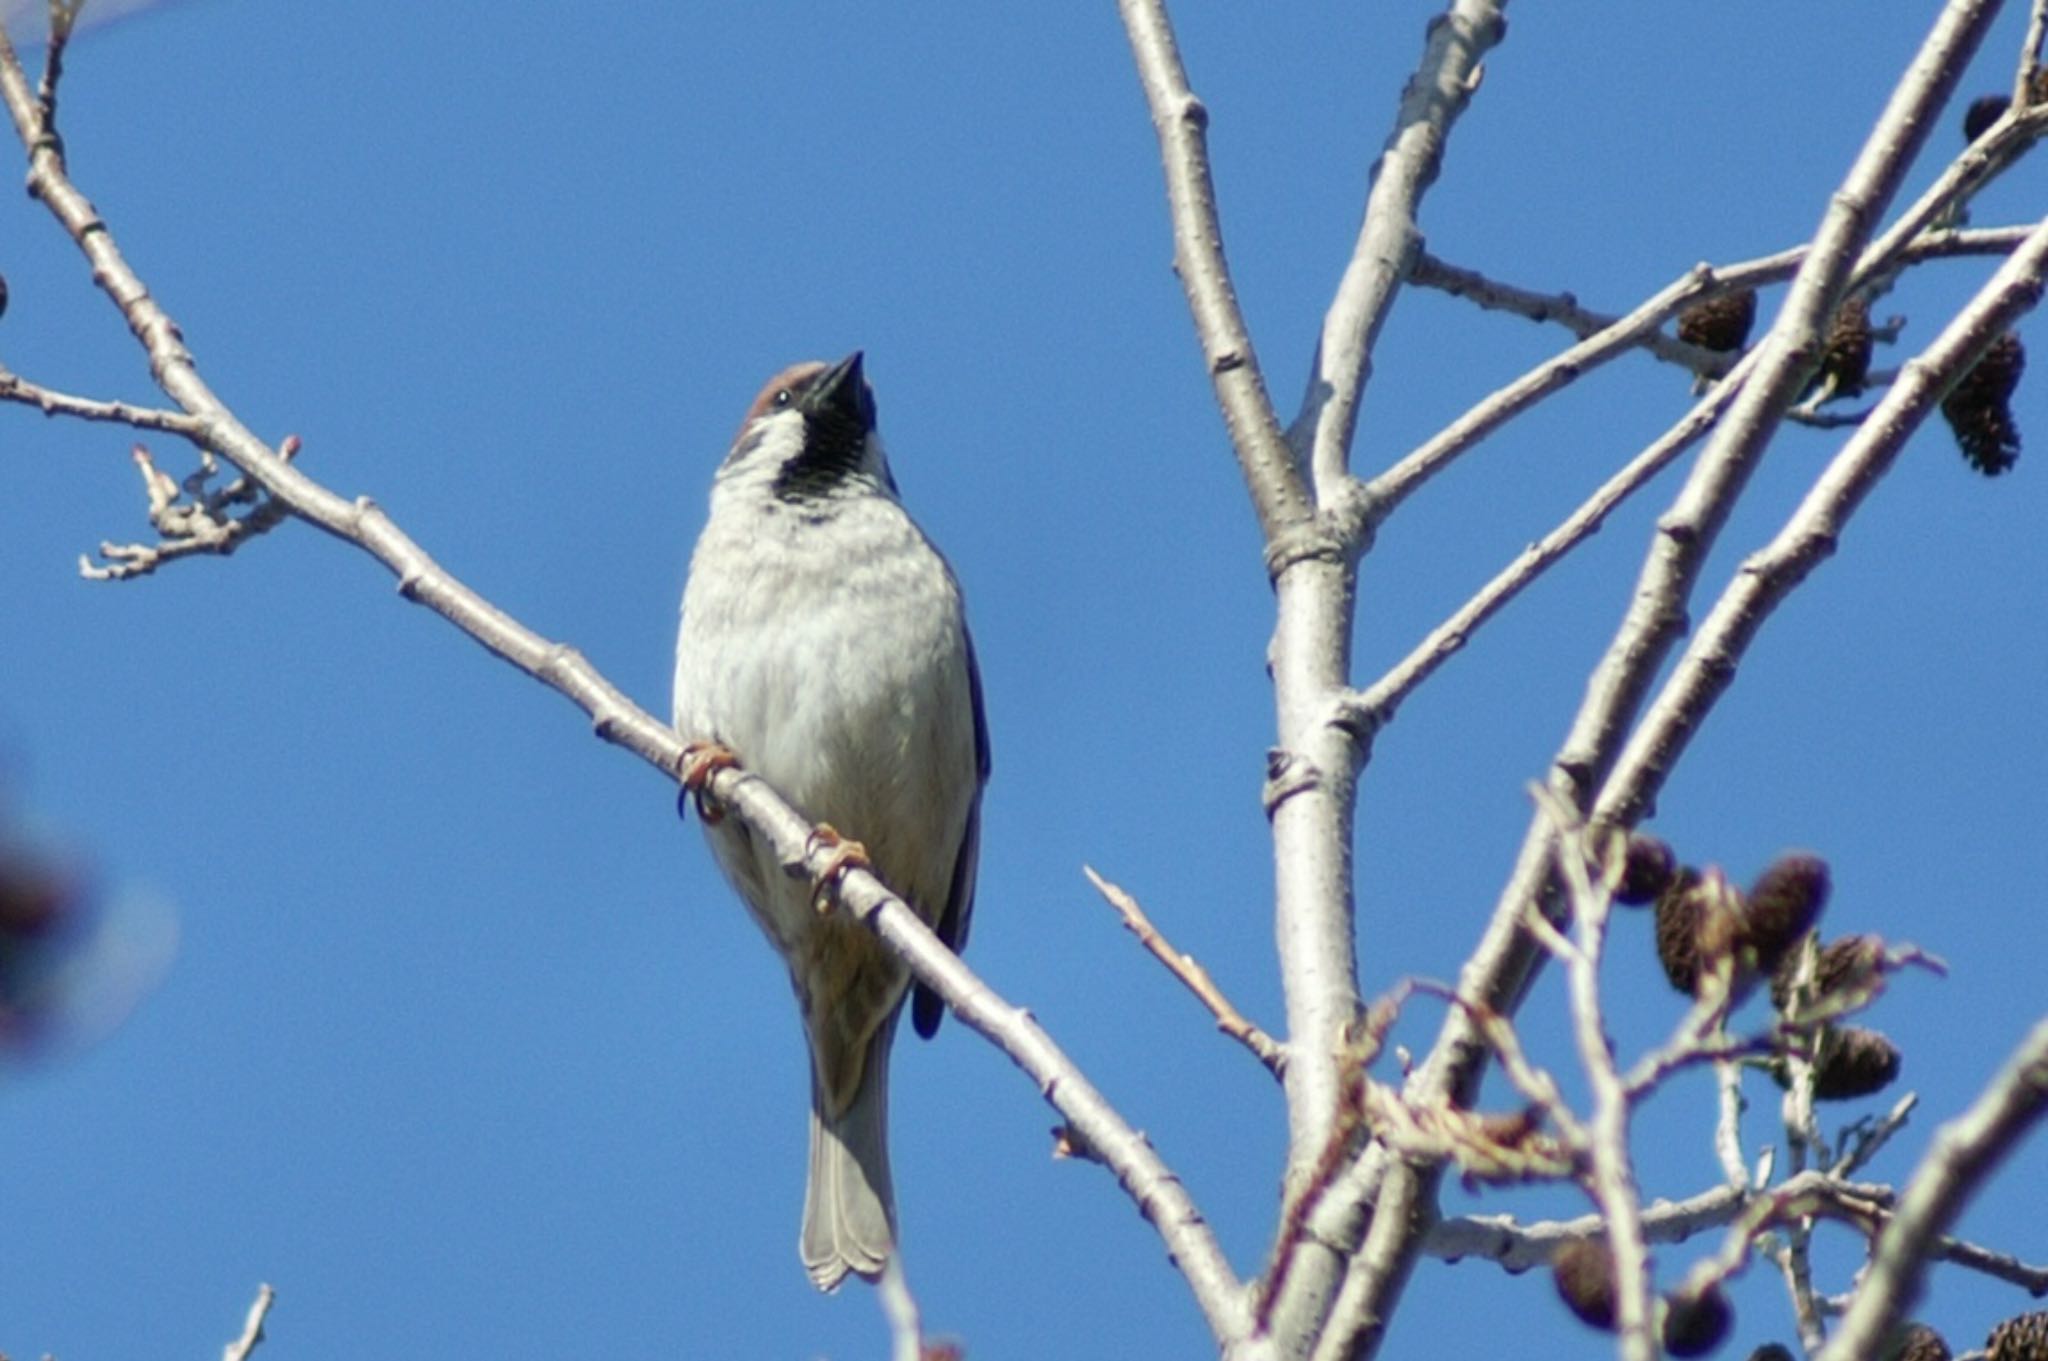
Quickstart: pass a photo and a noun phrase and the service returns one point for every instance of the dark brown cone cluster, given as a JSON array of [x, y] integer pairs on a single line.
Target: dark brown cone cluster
[[1678, 929], [2019, 1339], [1850, 962], [1917, 1342], [1647, 872], [1695, 1324], [1853, 1062], [1979, 408], [1584, 1271], [1783, 905], [1720, 323], [1845, 358], [1699, 920], [1982, 113]]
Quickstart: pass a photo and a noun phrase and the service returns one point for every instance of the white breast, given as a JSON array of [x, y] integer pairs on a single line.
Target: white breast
[[830, 654]]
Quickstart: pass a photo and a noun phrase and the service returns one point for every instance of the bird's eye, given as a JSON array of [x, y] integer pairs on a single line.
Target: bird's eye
[[783, 397]]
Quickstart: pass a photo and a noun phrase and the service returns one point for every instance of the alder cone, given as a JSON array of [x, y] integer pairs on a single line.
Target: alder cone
[[1720, 323], [1847, 962], [1918, 1342], [1648, 870], [1845, 358], [1855, 1062], [1696, 1324], [1978, 409], [2019, 1339], [1678, 930], [1584, 1272], [1782, 906], [1982, 113]]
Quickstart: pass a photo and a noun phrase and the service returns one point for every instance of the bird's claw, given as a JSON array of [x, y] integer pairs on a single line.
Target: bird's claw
[[841, 854], [700, 761]]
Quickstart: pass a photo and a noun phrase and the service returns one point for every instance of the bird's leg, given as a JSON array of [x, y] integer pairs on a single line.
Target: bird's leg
[[842, 854], [700, 761]]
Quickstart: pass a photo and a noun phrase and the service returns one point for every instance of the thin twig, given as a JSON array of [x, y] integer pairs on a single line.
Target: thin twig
[[1270, 470], [1399, 482], [1564, 309], [1229, 1019], [1517, 1247], [1443, 83], [2030, 53], [1612, 1181], [252, 1327], [899, 1308], [15, 388], [1374, 705]]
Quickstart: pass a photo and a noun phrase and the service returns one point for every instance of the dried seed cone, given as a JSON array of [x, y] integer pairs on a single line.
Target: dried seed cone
[[1678, 930], [1845, 359], [1584, 1271], [1720, 323], [1783, 905], [1979, 411], [1649, 870], [1855, 1062], [1696, 1324], [1982, 113], [1917, 1342], [1846, 963], [2020, 1339]]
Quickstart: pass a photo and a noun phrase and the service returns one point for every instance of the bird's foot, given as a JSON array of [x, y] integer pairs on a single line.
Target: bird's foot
[[700, 761], [842, 854]]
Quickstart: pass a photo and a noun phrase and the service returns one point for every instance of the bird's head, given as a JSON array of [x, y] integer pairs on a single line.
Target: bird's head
[[810, 435]]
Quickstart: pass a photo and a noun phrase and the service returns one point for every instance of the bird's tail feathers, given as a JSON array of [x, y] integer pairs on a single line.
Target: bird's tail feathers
[[850, 1202]]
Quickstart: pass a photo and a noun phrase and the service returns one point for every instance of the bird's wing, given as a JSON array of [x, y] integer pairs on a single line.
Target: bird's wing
[[926, 1008]]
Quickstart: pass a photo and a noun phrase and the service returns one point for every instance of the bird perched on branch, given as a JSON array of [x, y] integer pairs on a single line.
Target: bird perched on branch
[[823, 646]]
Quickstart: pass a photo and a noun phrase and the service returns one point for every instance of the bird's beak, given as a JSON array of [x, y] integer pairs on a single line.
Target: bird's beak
[[845, 389]]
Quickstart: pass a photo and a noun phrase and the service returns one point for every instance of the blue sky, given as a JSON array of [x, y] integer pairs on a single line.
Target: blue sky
[[439, 1021]]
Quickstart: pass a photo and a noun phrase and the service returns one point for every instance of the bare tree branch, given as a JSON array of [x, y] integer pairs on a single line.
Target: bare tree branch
[[14, 388], [1517, 1247], [1192, 975], [252, 1328], [1443, 83], [1375, 705], [1270, 469]]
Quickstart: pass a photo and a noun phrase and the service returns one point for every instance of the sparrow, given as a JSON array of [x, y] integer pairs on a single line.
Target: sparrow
[[824, 647]]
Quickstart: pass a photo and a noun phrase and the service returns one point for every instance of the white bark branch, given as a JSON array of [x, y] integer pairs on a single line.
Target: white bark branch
[[1436, 94], [252, 1327], [1270, 469]]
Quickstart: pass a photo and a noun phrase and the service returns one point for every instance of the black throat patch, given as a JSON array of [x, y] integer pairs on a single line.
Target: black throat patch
[[832, 454]]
